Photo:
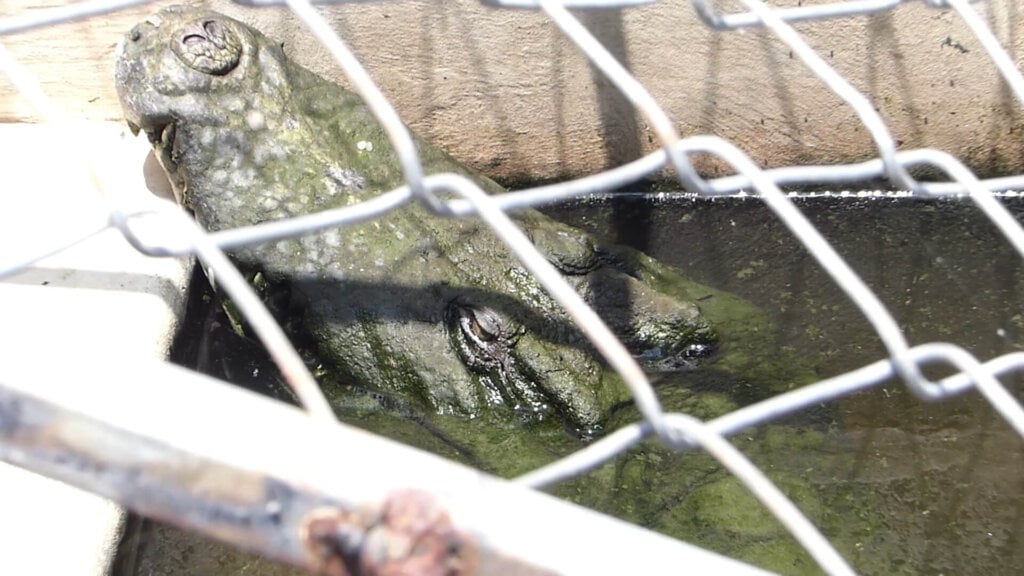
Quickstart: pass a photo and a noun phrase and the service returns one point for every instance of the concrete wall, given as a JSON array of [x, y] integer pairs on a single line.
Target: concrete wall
[[84, 309], [503, 91]]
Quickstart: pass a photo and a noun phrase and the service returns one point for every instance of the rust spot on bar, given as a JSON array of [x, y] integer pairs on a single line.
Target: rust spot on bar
[[326, 535], [410, 534]]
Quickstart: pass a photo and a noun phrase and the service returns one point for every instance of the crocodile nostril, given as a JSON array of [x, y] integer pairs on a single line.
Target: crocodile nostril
[[208, 46], [193, 40], [135, 34], [213, 28]]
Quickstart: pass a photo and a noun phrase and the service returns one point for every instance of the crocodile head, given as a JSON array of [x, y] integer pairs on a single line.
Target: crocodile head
[[433, 309]]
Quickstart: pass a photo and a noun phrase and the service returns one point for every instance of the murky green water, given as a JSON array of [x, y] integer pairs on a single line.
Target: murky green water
[[942, 485], [899, 486]]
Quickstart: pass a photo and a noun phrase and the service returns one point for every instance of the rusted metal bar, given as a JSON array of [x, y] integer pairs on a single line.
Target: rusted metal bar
[[263, 476]]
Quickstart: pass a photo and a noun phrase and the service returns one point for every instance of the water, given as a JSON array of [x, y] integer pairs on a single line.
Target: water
[[946, 478], [900, 486]]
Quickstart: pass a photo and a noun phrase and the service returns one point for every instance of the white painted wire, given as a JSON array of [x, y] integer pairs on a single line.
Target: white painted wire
[[678, 431]]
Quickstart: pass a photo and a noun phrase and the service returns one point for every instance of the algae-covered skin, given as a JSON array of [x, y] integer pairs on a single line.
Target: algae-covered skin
[[433, 309]]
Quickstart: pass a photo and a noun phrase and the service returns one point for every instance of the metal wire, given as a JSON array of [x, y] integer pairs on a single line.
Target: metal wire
[[710, 17], [677, 431], [999, 56]]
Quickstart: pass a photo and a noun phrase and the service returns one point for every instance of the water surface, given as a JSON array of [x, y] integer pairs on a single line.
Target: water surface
[[944, 480], [899, 485]]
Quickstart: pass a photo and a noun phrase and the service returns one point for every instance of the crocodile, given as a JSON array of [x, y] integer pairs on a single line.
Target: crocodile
[[431, 309]]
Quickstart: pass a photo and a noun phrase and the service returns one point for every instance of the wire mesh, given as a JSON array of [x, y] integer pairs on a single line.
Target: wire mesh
[[465, 199]]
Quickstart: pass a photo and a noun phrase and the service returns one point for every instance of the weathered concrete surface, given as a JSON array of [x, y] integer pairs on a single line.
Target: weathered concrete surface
[[503, 91], [88, 307]]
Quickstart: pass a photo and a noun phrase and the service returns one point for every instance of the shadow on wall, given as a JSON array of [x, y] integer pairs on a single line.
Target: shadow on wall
[[620, 131]]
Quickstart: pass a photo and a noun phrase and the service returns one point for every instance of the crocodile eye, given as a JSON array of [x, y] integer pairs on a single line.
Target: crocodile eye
[[481, 336], [481, 325], [209, 46]]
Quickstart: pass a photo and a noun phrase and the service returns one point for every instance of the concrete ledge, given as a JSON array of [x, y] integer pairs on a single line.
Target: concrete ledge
[[98, 301]]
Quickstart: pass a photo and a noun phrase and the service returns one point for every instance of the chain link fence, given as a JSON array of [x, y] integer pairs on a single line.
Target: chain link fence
[[310, 509]]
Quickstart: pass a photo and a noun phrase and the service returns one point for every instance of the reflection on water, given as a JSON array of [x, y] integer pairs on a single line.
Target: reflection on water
[[899, 485]]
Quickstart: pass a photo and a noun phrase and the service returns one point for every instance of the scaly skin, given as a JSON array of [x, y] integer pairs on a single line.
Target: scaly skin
[[433, 309]]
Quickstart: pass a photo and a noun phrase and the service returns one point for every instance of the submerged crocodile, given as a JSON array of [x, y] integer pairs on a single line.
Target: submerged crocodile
[[435, 310]]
